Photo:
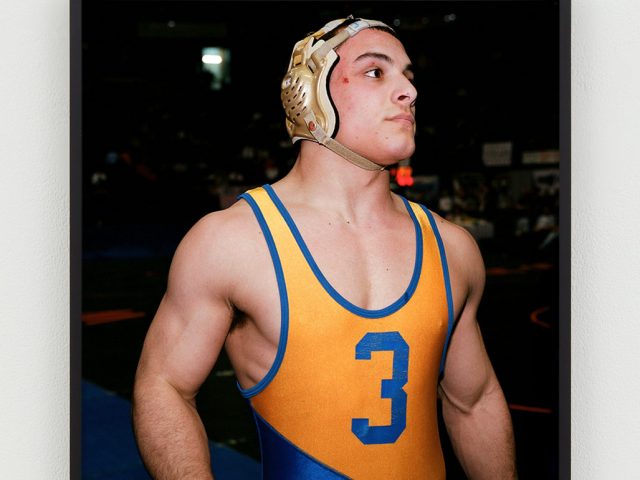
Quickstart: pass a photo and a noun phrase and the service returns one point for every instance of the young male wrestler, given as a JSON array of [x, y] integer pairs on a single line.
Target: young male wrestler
[[335, 299]]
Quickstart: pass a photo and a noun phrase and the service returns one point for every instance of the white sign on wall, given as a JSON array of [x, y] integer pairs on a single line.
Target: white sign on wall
[[497, 154]]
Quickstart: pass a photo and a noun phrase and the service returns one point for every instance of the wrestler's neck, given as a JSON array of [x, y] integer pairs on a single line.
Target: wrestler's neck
[[322, 177]]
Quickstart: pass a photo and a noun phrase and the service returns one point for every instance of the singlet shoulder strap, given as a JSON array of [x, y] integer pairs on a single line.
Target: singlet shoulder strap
[[259, 202], [445, 273]]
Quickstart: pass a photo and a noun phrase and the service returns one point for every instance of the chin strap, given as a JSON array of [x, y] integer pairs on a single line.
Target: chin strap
[[323, 139]]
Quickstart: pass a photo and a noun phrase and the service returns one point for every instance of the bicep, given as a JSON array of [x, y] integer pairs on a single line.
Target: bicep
[[182, 347], [468, 373], [190, 325]]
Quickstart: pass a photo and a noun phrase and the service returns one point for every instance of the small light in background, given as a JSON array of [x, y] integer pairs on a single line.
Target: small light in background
[[450, 18], [215, 60], [396, 22], [404, 174], [212, 59], [171, 24]]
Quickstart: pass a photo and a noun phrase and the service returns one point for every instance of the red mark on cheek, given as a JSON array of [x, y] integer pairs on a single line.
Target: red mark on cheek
[[345, 80]]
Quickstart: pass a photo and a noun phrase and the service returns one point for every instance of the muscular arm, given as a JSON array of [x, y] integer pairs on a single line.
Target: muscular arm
[[473, 405], [181, 347]]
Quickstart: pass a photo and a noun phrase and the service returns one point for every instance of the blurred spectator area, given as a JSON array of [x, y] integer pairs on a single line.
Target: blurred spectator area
[[165, 141]]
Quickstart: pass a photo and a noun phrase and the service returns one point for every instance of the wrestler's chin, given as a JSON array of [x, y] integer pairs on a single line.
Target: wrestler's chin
[[402, 151]]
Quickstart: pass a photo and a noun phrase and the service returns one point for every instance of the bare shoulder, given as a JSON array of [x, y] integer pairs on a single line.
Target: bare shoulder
[[456, 237], [213, 251], [463, 254], [224, 227]]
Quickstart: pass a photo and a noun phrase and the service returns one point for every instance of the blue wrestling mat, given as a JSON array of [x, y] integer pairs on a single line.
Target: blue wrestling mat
[[109, 450]]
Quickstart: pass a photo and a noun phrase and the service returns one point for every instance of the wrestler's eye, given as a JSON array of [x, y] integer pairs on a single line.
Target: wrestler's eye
[[374, 73]]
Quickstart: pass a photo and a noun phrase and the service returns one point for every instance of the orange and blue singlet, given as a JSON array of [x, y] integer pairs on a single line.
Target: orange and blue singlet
[[352, 392]]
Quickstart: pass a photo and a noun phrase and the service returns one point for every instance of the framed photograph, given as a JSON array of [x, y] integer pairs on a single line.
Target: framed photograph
[[176, 111]]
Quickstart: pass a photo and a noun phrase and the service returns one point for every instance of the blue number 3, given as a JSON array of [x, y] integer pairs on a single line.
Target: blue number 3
[[390, 388]]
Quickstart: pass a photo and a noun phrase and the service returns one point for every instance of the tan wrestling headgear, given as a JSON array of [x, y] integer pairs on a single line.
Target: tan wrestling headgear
[[305, 87]]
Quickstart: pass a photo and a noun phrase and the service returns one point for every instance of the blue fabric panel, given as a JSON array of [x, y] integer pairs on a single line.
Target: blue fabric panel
[[281, 460]]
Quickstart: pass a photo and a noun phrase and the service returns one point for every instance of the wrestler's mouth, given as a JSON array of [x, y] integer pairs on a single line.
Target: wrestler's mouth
[[404, 118]]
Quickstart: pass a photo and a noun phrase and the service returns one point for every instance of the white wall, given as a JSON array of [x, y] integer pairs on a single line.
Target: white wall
[[34, 239], [606, 252]]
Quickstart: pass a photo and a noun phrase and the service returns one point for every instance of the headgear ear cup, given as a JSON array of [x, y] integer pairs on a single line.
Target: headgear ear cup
[[310, 114], [298, 94], [304, 91]]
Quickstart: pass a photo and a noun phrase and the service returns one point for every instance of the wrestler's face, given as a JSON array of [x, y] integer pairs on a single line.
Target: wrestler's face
[[372, 90]]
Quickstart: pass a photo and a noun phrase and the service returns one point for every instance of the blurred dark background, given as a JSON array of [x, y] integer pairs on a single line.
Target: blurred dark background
[[166, 141]]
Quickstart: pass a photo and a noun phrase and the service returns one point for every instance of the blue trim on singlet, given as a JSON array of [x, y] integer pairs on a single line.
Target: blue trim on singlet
[[395, 306], [284, 301], [282, 460], [447, 282]]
